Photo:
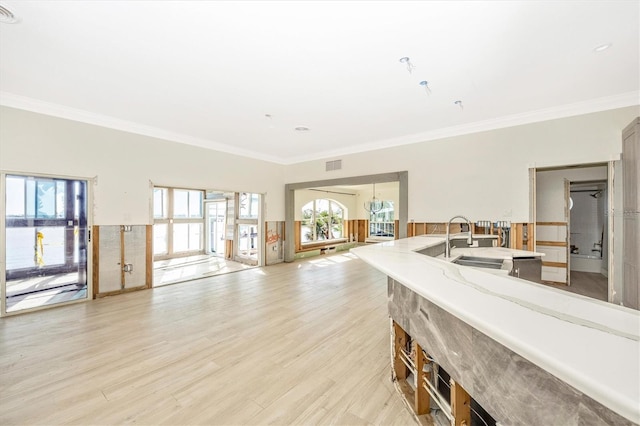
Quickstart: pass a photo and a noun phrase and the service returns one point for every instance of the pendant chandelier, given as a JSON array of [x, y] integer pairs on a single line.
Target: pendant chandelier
[[374, 205]]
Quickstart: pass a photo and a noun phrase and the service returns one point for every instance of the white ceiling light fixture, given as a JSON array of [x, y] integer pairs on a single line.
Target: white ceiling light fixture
[[374, 205], [6, 16], [405, 60], [602, 47]]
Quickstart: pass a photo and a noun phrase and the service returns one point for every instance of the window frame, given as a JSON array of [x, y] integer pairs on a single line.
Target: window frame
[[168, 207], [385, 225], [312, 220]]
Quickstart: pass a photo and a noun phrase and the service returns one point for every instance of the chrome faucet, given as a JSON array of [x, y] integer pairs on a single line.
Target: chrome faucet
[[447, 247]]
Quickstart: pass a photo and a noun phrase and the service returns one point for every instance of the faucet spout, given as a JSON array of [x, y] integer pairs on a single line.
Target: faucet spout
[[447, 246]]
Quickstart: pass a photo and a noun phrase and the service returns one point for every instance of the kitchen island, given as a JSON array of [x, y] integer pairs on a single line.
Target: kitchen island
[[527, 353]]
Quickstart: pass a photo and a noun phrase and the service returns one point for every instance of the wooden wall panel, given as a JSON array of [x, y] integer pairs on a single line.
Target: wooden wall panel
[[95, 242], [551, 239]]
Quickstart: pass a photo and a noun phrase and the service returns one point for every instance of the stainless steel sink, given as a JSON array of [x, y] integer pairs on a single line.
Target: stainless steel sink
[[479, 262]]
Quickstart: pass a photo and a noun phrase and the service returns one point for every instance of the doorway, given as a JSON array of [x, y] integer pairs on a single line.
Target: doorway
[[247, 229], [290, 213], [46, 242], [216, 218], [573, 211], [199, 234]]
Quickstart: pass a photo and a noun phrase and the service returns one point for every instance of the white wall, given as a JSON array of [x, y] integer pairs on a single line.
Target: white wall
[[125, 163], [483, 176]]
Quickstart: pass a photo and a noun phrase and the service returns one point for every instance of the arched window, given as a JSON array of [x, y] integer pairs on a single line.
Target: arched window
[[322, 220]]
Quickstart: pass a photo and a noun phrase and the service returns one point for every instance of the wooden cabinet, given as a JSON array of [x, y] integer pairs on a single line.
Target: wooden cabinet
[[631, 215]]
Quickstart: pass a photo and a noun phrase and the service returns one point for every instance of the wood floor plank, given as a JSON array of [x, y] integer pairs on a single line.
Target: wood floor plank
[[300, 343]]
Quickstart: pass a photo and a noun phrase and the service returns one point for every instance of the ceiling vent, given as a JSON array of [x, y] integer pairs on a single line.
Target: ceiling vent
[[6, 16], [333, 165]]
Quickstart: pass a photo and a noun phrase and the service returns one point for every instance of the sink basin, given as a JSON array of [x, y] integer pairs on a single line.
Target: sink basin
[[479, 262]]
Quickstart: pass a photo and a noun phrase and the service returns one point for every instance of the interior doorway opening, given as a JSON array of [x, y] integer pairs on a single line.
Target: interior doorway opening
[[573, 210], [222, 236], [401, 209], [216, 219]]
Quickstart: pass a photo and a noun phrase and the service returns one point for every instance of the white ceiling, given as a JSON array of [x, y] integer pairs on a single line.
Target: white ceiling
[[206, 73]]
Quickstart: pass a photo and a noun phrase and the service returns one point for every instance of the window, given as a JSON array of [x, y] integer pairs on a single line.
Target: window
[[248, 206], [160, 203], [187, 204], [382, 223], [178, 221], [36, 206], [35, 198], [322, 220]]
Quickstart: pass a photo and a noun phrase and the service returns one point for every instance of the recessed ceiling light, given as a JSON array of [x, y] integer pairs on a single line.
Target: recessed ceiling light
[[425, 84], [6, 16], [301, 129], [602, 47], [405, 60]]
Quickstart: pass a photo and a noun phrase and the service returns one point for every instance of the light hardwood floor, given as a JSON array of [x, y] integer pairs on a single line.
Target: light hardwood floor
[[588, 284], [299, 343], [189, 268]]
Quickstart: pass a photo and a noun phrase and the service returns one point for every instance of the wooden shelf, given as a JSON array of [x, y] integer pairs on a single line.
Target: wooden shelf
[[412, 372]]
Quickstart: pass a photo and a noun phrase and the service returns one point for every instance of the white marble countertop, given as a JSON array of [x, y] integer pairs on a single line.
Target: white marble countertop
[[592, 345], [491, 252]]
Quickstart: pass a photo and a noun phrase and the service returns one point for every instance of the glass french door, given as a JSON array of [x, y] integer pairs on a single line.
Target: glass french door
[[46, 241], [247, 229], [216, 226]]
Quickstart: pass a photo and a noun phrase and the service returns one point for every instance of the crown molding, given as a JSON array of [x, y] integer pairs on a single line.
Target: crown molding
[[563, 111], [74, 114]]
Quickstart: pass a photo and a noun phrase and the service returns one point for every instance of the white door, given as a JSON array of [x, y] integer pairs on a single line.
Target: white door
[[216, 212], [248, 248]]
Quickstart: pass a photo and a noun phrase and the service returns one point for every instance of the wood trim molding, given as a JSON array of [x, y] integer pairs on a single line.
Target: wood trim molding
[[555, 264], [124, 290], [95, 242], [122, 259], [551, 223], [149, 257], [555, 283], [552, 243]]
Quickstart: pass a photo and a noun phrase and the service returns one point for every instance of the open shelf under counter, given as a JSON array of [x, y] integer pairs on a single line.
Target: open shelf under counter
[[527, 353]]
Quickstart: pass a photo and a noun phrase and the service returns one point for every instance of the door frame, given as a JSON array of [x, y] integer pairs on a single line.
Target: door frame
[[259, 224], [614, 235], [90, 182], [207, 224], [567, 219], [289, 202]]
